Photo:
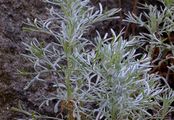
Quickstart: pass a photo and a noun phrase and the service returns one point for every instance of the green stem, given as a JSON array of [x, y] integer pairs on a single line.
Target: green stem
[[67, 78], [68, 71]]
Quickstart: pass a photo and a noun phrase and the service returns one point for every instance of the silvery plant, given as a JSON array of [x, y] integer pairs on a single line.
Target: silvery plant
[[157, 40], [94, 78]]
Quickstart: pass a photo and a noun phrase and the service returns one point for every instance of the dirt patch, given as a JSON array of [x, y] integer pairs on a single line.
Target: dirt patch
[[12, 16]]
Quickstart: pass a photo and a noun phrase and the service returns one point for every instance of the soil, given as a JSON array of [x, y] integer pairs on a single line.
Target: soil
[[13, 15]]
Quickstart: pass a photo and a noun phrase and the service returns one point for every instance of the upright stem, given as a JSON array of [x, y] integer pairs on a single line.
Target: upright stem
[[67, 46], [67, 78], [68, 73]]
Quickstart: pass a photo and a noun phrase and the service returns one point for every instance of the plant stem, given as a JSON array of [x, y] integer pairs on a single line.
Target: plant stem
[[67, 78]]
